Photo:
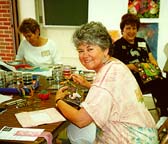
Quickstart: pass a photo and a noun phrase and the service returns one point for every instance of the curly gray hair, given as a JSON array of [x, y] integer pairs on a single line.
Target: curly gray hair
[[93, 33]]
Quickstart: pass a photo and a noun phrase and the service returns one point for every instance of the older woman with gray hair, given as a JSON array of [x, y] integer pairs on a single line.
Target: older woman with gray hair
[[114, 101]]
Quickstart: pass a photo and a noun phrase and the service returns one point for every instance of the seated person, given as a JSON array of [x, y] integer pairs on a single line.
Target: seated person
[[34, 49], [132, 50], [114, 101]]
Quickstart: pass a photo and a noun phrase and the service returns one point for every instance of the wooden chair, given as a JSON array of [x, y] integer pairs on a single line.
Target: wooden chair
[[163, 133]]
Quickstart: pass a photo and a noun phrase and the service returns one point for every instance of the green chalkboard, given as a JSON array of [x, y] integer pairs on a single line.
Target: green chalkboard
[[65, 12]]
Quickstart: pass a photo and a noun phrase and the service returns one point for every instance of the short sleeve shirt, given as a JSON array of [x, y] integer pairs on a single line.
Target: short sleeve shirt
[[47, 54], [116, 105]]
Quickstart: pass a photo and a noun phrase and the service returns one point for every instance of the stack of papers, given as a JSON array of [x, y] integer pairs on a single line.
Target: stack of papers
[[35, 118]]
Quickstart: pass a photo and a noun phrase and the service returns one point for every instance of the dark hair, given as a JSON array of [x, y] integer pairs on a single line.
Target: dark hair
[[29, 25], [129, 19], [93, 33]]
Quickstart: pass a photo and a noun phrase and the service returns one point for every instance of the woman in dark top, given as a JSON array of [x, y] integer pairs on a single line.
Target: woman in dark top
[[132, 51]]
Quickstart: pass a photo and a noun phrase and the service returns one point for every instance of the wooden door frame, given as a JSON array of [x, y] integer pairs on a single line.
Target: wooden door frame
[[15, 23]]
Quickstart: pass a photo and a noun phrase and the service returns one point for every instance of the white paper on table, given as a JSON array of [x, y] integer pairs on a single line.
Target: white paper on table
[[10, 68], [22, 134], [35, 118], [4, 98]]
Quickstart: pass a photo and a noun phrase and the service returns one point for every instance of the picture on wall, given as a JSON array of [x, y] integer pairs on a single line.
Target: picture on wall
[[149, 31], [144, 8]]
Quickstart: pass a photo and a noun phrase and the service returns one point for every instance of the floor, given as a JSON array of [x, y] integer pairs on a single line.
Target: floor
[[149, 102]]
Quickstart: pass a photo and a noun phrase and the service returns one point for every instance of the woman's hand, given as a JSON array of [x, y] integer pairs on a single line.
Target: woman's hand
[[133, 67], [61, 93], [152, 59], [80, 80]]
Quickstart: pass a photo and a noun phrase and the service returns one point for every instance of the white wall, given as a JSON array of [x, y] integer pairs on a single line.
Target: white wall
[[163, 29], [26, 9], [109, 12]]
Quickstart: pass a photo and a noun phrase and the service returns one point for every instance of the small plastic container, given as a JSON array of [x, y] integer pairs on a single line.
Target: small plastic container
[[43, 95], [67, 71]]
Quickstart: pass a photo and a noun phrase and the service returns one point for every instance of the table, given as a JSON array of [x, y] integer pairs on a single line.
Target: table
[[8, 118]]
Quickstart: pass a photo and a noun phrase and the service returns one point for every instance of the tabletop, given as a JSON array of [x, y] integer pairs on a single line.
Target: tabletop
[[33, 103]]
